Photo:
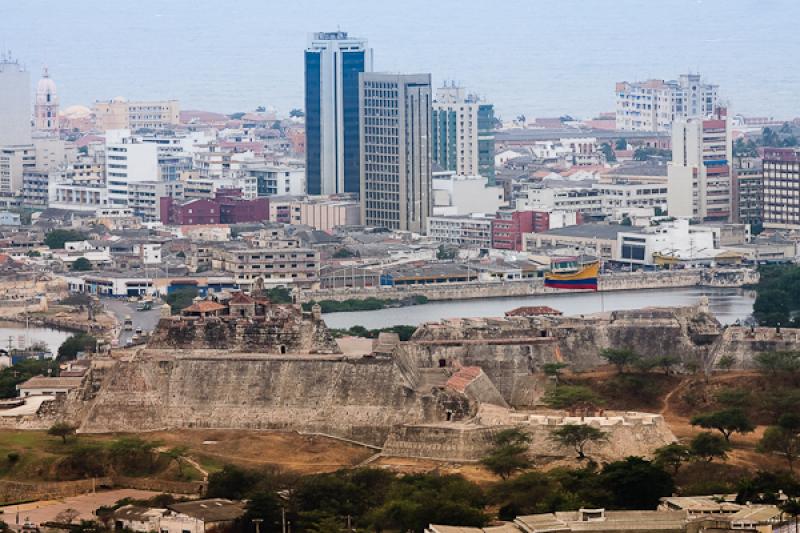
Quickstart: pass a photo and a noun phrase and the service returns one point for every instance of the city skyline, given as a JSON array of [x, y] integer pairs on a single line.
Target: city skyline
[[540, 68]]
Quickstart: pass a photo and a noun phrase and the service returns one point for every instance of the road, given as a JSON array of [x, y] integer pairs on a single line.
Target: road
[[146, 320], [46, 510]]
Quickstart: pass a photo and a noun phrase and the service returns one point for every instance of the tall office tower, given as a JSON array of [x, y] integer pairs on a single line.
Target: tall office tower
[[333, 62], [395, 111], [782, 188], [699, 177], [15, 104], [654, 105], [463, 133], [45, 110]]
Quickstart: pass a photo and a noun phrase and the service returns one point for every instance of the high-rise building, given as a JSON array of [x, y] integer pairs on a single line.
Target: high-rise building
[[45, 110], [333, 62], [782, 188], [699, 178], [654, 105], [15, 104], [128, 160], [463, 133], [748, 190], [395, 111]]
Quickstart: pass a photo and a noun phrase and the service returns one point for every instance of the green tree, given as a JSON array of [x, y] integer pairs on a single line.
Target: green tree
[[62, 430], [79, 342], [82, 264], [181, 298], [668, 362], [726, 362], [176, 455], [553, 370], [671, 456], [709, 446], [577, 436], [726, 421], [132, 455], [779, 364], [296, 113], [22, 371], [782, 441], [636, 483], [509, 454], [792, 508], [231, 482], [266, 506], [608, 152], [621, 144], [568, 396], [56, 238], [622, 358], [733, 397]]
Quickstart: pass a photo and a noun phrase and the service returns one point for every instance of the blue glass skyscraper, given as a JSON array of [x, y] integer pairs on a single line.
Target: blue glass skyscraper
[[333, 62]]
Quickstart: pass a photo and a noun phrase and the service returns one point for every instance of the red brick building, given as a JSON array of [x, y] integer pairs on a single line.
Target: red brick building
[[509, 226], [227, 207]]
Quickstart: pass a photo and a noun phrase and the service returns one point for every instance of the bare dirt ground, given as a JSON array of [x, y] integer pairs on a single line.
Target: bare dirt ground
[[47, 510], [303, 454]]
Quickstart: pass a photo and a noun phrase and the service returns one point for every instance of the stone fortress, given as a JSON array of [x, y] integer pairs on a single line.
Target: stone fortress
[[238, 361]]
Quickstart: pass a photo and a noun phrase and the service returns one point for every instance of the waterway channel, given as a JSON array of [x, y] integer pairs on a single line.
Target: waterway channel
[[728, 305], [15, 335]]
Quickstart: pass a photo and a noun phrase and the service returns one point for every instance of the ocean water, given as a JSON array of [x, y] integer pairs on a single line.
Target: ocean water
[[537, 57]]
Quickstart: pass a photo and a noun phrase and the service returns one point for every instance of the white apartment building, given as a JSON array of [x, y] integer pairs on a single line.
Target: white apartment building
[[144, 197], [77, 195], [699, 176], [462, 195], [617, 196], [128, 160], [654, 105], [582, 198], [15, 104], [462, 231], [278, 180], [14, 162]]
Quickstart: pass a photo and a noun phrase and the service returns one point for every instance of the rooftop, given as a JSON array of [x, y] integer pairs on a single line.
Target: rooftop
[[593, 231], [213, 510]]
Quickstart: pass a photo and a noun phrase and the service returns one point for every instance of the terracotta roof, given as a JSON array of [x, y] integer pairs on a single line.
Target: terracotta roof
[[537, 310], [461, 379], [240, 298], [204, 306]]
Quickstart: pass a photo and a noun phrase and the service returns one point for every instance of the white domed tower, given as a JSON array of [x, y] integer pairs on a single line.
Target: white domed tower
[[46, 108]]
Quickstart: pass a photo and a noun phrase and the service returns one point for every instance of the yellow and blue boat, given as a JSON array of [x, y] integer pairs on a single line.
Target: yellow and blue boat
[[573, 276]]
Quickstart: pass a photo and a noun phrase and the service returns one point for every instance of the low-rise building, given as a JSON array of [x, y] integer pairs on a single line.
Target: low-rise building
[[287, 265], [463, 195], [462, 231]]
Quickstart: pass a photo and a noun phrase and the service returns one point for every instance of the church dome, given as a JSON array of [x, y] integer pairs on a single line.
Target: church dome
[[45, 86]]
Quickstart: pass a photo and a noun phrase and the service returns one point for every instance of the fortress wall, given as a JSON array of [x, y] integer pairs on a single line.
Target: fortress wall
[[353, 398], [743, 344], [513, 368], [465, 442]]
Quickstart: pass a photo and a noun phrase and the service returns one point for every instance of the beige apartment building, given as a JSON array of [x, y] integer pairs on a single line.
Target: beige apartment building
[[120, 114], [269, 266]]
